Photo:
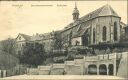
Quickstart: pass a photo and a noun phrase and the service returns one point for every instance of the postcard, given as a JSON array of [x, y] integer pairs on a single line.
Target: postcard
[[63, 40]]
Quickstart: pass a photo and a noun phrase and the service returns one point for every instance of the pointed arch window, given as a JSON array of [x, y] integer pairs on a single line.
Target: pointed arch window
[[70, 37], [94, 35], [115, 31], [104, 35]]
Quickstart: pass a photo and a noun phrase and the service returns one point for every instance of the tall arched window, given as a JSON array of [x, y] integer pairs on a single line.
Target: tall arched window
[[70, 37], [104, 35], [94, 35], [115, 31]]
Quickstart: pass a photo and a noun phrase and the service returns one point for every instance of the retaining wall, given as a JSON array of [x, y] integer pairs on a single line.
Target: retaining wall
[[57, 69], [80, 66], [123, 66], [32, 71], [44, 70]]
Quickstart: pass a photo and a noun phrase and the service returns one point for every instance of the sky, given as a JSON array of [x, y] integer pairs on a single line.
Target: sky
[[31, 17]]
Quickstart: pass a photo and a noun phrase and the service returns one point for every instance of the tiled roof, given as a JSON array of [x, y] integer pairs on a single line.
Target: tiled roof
[[37, 37], [44, 36], [105, 10], [26, 37]]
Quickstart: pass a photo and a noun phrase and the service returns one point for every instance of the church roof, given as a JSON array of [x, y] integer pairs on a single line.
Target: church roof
[[105, 10]]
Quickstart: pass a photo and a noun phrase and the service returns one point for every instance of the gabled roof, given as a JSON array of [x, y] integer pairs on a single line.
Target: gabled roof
[[26, 37], [105, 10]]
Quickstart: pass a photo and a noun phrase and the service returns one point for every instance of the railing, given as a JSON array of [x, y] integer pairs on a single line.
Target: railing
[[103, 57]]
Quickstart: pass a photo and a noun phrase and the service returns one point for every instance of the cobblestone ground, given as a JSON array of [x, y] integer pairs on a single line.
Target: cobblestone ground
[[62, 77]]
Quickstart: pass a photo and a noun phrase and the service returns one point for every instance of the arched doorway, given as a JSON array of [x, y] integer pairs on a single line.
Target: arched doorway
[[92, 69], [102, 69], [111, 68]]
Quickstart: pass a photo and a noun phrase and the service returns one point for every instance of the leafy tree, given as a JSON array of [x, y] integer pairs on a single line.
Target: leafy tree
[[33, 54], [8, 46]]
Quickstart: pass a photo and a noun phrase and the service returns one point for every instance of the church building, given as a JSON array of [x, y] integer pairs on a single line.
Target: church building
[[99, 26]]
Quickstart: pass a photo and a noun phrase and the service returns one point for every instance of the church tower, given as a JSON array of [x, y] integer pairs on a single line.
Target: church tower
[[75, 13]]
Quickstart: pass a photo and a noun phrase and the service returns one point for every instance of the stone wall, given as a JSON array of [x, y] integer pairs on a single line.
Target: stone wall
[[44, 70], [123, 66], [57, 69], [73, 70], [83, 66], [32, 71], [3, 73]]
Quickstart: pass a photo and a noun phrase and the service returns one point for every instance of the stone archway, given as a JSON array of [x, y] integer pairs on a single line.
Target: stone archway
[[92, 69], [111, 69], [102, 69]]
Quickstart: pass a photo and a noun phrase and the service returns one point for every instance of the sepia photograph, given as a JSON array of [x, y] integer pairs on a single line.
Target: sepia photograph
[[64, 40]]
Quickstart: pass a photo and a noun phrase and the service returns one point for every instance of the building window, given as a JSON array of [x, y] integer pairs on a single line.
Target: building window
[[70, 38], [115, 31], [104, 35], [77, 43], [94, 35], [20, 38]]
